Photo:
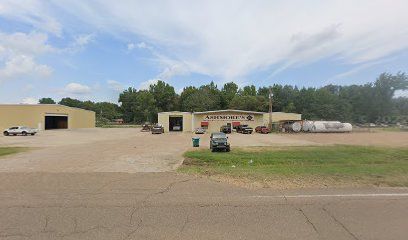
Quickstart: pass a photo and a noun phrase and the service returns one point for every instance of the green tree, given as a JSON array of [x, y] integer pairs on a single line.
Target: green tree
[[70, 102], [249, 90], [164, 95], [228, 92], [248, 103], [138, 106], [145, 107], [46, 101], [107, 110], [186, 100], [128, 98]]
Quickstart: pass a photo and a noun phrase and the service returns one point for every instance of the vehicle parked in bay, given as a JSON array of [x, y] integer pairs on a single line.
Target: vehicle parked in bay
[[262, 129], [245, 129], [176, 128], [157, 129], [225, 129], [20, 130], [200, 130], [219, 141]]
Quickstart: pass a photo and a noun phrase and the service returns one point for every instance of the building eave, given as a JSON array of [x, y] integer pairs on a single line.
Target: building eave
[[229, 110], [36, 105]]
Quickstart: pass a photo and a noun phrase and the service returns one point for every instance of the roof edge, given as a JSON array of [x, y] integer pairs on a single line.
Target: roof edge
[[58, 105], [229, 110]]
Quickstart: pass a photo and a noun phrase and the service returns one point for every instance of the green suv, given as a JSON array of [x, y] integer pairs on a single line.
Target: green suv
[[219, 141]]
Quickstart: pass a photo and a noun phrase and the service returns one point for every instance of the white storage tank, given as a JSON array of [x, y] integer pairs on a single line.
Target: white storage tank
[[307, 126], [330, 126], [296, 126]]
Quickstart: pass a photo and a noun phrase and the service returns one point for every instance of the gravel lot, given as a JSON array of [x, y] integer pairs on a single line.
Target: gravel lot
[[129, 150], [83, 184]]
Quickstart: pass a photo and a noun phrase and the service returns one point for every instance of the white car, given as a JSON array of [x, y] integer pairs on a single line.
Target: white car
[[20, 130], [200, 130]]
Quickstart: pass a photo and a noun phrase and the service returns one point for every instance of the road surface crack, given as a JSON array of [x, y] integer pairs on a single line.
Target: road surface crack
[[308, 220], [302, 212], [184, 225], [171, 185], [134, 230], [340, 223]]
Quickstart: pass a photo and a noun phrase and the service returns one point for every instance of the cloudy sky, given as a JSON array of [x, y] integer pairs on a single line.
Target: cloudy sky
[[94, 49]]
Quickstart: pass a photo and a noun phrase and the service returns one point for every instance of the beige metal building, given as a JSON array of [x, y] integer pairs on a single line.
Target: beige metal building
[[213, 120], [45, 116]]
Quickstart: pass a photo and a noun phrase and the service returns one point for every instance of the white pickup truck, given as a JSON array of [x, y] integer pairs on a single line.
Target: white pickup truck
[[20, 130]]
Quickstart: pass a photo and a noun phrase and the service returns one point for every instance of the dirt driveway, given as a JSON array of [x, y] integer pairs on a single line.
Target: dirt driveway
[[129, 150], [112, 150], [96, 150]]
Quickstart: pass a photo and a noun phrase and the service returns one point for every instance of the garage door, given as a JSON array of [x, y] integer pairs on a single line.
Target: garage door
[[56, 122], [176, 123]]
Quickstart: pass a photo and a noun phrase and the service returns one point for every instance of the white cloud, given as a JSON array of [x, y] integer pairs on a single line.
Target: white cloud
[[29, 100], [18, 52], [80, 42], [33, 12], [232, 38], [173, 70], [142, 45], [76, 89], [23, 65], [115, 85], [146, 84], [130, 46], [24, 43], [355, 70]]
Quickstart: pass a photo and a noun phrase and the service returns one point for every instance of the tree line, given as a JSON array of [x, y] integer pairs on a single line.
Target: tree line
[[371, 102]]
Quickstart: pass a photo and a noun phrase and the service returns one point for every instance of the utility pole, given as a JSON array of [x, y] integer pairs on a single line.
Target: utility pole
[[270, 108]]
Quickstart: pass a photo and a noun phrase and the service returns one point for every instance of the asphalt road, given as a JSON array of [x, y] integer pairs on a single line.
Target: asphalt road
[[170, 206]]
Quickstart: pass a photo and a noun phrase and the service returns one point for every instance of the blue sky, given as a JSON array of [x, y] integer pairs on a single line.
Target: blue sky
[[95, 49]]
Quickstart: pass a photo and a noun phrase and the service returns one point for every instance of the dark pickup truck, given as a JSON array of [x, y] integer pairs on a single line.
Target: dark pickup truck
[[225, 129], [245, 129], [219, 141]]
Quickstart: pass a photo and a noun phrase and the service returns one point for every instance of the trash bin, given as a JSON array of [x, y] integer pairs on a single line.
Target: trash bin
[[196, 142]]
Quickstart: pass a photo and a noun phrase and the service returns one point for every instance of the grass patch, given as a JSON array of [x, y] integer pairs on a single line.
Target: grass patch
[[332, 164], [394, 129], [11, 150]]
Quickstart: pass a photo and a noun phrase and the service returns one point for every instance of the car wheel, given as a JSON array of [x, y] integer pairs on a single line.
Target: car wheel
[[32, 134], [5, 133], [228, 149], [24, 133]]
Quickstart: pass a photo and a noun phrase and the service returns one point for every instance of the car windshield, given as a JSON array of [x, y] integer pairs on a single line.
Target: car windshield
[[219, 135]]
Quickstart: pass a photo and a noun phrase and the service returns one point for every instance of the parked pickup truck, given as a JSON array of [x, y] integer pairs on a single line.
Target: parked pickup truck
[[225, 129], [262, 129], [245, 129], [20, 130], [219, 141]]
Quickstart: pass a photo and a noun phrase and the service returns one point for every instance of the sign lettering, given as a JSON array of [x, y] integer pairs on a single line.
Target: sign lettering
[[229, 117]]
